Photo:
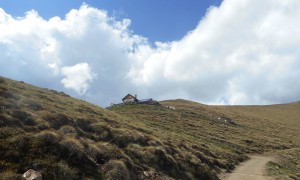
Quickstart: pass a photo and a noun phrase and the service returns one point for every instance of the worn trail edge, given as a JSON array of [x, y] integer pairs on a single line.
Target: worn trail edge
[[255, 168]]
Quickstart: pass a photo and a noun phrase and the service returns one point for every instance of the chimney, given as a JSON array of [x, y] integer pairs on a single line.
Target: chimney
[[135, 96]]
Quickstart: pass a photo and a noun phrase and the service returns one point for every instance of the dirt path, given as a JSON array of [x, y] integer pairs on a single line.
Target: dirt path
[[255, 168]]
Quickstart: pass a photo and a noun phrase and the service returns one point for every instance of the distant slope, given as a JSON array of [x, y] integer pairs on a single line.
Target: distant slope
[[269, 128], [195, 128], [67, 138], [275, 124]]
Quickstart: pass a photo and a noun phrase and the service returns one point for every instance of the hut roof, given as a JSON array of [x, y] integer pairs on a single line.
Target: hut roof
[[129, 96]]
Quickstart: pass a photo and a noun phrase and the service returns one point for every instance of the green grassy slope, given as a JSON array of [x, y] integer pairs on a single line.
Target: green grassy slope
[[66, 138]]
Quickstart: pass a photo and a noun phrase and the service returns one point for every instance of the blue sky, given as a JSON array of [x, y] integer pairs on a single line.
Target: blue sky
[[213, 52], [158, 20]]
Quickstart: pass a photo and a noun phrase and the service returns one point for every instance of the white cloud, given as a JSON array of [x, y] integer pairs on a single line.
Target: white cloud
[[243, 52], [48, 53], [78, 77]]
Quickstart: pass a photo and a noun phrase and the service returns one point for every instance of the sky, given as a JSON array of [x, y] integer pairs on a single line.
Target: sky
[[235, 52], [157, 20]]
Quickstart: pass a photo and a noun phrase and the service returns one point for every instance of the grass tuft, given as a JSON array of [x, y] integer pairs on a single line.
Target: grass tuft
[[2, 81], [116, 169], [63, 171], [48, 137], [72, 147], [66, 129], [57, 120], [123, 137], [9, 175]]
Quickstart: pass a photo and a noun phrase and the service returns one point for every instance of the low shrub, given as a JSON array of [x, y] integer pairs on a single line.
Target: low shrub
[[19, 114], [110, 151], [34, 105], [48, 137], [154, 143], [9, 174], [62, 170], [14, 148], [155, 157], [3, 121], [66, 129], [2, 81], [57, 120], [6, 132], [8, 95], [163, 160], [72, 150], [204, 158], [102, 132], [99, 155], [48, 142], [204, 172], [84, 124], [116, 169], [29, 121], [123, 137], [43, 126], [23, 117]]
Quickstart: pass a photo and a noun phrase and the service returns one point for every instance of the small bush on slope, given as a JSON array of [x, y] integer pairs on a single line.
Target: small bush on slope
[[115, 169]]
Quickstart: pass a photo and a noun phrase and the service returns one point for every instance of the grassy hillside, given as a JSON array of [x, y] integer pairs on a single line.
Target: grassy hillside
[[274, 129], [66, 138], [194, 128]]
